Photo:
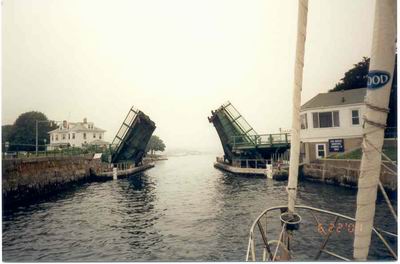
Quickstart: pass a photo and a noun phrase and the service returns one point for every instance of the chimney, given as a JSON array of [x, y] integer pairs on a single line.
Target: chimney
[[85, 120], [343, 100]]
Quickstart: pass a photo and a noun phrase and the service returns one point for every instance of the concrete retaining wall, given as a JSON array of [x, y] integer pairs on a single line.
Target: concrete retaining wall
[[24, 179], [345, 173], [238, 170], [109, 175]]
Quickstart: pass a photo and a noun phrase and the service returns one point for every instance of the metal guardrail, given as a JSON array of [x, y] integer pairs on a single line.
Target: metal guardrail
[[276, 160], [62, 152], [251, 163], [281, 138], [124, 165], [236, 118], [266, 246], [258, 140]]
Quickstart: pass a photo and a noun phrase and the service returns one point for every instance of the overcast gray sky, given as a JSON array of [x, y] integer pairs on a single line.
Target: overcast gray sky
[[173, 59]]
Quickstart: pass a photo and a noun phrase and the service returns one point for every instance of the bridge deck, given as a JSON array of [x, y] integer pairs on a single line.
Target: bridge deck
[[132, 138]]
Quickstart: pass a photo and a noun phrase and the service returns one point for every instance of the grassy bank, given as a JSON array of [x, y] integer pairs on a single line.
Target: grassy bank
[[391, 152]]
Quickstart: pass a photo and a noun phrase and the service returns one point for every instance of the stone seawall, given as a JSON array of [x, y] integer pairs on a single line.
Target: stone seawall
[[345, 173], [25, 179]]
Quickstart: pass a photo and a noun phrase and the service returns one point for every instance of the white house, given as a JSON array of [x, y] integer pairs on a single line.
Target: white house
[[76, 134], [332, 123]]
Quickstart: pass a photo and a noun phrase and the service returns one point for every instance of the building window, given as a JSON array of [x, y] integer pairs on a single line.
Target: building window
[[84, 135], [73, 135], [320, 151], [56, 137], [326, 119], [63, 136], [52, 137], [100, 136], [355, 117], [303, 120], [94, 135], [69, 136]]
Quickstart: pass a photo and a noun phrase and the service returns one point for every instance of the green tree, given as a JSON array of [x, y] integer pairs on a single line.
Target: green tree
[[155, 144], [6, 131], [23, 133], [354, 78]]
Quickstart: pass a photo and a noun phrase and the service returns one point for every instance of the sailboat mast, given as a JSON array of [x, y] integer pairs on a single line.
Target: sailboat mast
[[377, 100], [296, 102]]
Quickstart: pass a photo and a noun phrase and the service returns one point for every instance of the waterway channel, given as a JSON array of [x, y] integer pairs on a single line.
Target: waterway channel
[[181, 210]]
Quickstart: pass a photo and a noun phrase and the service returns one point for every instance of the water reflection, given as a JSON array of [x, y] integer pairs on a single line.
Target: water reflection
[[181, 210]]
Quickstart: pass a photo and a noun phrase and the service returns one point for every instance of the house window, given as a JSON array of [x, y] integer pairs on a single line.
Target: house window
[[355, 117], [320, 151], [73, 135], [56, 137], [94, 135], [84, 135], [63, 136], [303, 120], [69, 136], [52, 137], [326, 119], [100, 136]]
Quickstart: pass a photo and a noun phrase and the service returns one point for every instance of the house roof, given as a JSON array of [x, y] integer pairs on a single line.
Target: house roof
[[80, 127], [348, 97], [77, 127]]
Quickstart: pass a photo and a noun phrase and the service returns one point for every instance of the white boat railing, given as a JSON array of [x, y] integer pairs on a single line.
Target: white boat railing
[[269, 255]]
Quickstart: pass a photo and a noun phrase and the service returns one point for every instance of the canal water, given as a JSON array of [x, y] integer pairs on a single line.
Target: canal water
[[181, 210]]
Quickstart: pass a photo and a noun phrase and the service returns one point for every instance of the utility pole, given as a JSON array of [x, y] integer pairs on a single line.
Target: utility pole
[[37, 137]]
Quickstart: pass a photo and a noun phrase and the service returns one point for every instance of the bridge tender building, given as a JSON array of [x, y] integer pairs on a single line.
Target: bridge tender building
[[332, 123]]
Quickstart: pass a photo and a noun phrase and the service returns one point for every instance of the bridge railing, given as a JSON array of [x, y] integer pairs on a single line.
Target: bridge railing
[[251, 163], [238, 119], [123, 130], [257, 140]]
